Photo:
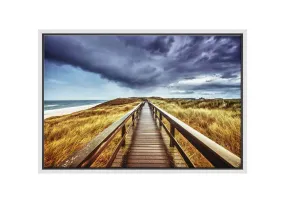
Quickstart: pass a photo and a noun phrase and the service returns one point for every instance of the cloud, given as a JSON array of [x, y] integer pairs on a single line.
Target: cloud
[[153, 44], [54, 81], [207, 85], [181, 92], [141, 62], [230, 75]]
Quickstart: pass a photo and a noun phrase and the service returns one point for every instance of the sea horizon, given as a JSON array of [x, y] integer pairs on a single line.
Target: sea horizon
[[61, 104]]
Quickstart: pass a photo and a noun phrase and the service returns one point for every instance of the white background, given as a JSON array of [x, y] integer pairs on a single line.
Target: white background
[[20, 180]]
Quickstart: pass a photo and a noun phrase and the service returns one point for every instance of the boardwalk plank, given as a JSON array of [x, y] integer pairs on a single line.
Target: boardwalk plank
[[143, 165], [147, 147]]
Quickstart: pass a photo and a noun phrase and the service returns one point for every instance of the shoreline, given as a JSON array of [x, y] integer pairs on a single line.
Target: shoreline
[[67, 110]]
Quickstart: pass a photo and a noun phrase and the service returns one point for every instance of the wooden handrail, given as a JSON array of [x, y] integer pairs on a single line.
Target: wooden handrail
[[86, 156], [216, 154]]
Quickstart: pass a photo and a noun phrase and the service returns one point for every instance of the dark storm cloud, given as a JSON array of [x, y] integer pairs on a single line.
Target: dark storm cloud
[[150, 61], [229, 75], [213, 86], [189, 78], [153, 44]]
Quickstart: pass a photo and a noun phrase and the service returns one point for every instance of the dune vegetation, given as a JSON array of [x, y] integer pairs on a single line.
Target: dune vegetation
[[218, 119], [63, 135]]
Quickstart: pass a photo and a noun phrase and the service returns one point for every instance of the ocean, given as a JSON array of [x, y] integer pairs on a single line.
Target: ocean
[[60, 104], [62, 107]]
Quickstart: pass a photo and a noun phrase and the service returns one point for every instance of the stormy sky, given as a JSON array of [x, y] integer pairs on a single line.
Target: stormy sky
[[107, 67]]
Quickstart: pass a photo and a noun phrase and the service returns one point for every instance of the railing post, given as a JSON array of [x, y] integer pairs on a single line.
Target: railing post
[[133, 119], [137, 113], [123, 133], [172, 132], [160, 120]]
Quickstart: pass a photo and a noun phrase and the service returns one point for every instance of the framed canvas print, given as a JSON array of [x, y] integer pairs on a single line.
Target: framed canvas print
[[142, 100]]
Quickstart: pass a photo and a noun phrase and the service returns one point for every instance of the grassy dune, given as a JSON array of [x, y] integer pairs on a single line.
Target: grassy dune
[[219, 119], [63, 135]]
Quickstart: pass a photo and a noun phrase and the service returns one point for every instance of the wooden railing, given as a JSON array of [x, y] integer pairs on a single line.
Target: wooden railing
[[216, 154], [85, 157]]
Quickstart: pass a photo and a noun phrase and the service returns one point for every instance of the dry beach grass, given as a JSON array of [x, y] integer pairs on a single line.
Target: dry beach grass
[[218, 119], [63, 135]]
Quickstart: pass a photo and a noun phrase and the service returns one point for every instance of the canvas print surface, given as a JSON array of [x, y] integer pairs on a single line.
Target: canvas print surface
[[142, 101]]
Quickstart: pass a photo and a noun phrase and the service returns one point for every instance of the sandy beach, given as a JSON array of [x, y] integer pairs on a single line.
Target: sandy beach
[[68, 110]]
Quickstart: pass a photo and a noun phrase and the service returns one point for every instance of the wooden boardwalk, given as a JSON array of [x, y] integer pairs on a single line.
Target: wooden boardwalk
[[146, 146], [145, 143]]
